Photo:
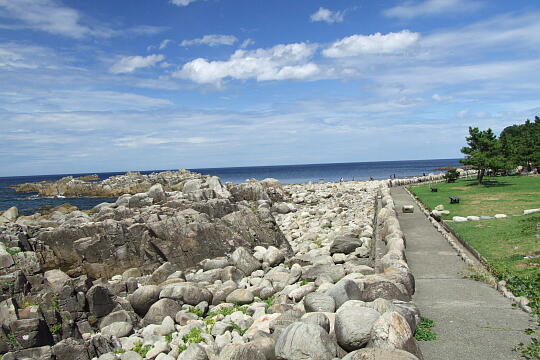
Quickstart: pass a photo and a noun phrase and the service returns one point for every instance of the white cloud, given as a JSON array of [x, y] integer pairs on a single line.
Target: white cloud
[[328, 16], [164, 44], [372, 44], [246, 43], [211, 40], [45, 15], [51, 17], [411, 10], [182, 2], [129, 64], [290, 61]]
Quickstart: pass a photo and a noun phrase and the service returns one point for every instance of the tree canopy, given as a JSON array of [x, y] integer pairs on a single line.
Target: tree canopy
[[517, 145]]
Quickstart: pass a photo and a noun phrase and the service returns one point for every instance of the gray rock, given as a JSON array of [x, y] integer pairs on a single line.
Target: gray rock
[[143, 298], [391, 331], [353, 324], [221, 293], [38, 353], [118, 329], [159, 310], [343, 291], [379, 354], [317, 318], [70, 349], [156, 193], [117, 316], [193, 352], [130, 355], [216, 263], [31, 333], [244, 261], [273, 256], [240, 352], [344, 245], [100, 300], [240, 297], [187, 293], [11, 214], [316, 301], [385, 289], [55, 279], [162, 272], [334, 272], [301, 341]]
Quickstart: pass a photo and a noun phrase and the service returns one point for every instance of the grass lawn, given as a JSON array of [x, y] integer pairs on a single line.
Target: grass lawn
[[511, 246], [498, 195]]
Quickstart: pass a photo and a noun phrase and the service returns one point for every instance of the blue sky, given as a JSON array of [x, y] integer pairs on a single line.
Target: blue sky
[[88, 86]]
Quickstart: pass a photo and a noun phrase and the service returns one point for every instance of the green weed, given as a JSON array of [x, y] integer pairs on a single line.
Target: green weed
[[423, 330]]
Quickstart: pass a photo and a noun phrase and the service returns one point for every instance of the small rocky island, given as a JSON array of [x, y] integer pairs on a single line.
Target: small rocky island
[[184, 267]]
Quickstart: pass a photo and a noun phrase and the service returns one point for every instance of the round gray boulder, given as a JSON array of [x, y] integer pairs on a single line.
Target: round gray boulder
[[353, 324], [301, 341]]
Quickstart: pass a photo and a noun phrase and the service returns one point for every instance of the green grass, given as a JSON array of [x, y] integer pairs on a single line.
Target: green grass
[[423, 330], [498, 195]]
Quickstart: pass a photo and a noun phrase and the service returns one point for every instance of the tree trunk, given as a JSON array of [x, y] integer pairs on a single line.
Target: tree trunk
[[481, 175]]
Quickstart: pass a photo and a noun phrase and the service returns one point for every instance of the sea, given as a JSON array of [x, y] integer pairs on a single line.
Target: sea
[[28, 203]]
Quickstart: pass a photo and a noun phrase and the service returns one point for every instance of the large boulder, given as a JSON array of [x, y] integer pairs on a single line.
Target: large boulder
[[391, 331], [187, 293], [303, 341], [345, 245], [29, 333], [343, 291], [354, 322], [160, 310], [241, 352], [316, 301], [100, 300], [244, 261], [379, 354], [143, 298]]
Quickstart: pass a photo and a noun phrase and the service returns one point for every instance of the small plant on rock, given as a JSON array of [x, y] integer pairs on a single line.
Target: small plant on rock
[[197, 311], [55, 329], [119, 351], [269, 302], [181, 348], [140, 349], [423, 330], [11, 340], [168, 337], [13, 251], [238, 329], [193, 336]]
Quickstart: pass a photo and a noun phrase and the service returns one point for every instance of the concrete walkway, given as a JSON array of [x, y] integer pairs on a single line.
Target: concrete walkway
[[473, 320]]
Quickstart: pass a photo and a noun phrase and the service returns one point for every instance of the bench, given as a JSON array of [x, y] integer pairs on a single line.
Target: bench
[[454, 200]]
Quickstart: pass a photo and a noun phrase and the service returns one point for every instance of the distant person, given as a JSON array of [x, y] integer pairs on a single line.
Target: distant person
[[371, 178], [423, 174]]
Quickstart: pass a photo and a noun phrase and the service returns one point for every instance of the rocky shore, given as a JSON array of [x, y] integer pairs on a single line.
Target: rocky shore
[[191, 268]]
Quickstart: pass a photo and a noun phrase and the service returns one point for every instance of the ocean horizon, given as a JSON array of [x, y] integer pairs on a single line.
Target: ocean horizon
[[28, 203]]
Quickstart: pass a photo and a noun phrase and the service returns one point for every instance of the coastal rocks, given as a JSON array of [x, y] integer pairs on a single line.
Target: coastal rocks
[[302, 341], [143, 298], [319, 302], [354, 322], [160, 310]]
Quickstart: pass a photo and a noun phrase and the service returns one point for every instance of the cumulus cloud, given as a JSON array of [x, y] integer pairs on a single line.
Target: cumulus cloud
[[211, 40], [372, 44], [182, 2], [281, 62], [431, 7], [129, 64], [328, 16]]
